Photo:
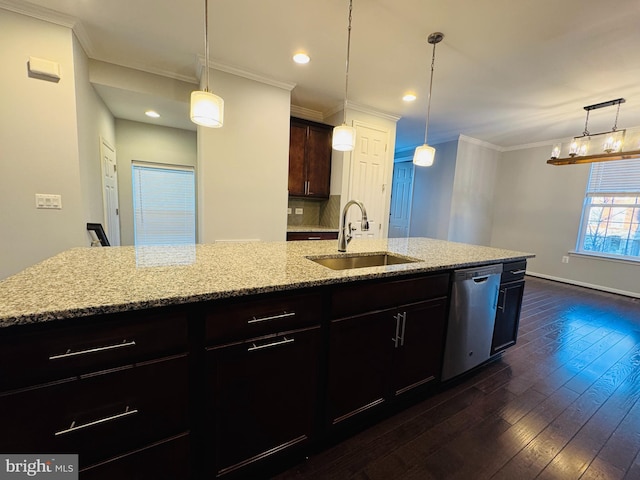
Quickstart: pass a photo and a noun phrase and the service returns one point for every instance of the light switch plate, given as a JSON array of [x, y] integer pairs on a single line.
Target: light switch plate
[[299, 211], [48, 201]]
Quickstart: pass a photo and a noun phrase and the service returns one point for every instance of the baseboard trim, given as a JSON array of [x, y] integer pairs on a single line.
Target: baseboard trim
[[585, 284]]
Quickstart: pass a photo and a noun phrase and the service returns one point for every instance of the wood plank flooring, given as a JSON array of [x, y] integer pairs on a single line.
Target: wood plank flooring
[[564, 403]]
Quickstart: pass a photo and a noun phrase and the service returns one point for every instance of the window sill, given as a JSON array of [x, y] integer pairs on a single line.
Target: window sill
[[600, 256]]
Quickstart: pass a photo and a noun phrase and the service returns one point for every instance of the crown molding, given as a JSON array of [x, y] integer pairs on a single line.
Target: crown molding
[[545, 143], [239, 72], [41, 13], [359, 107], [307, 113], [480, 143]]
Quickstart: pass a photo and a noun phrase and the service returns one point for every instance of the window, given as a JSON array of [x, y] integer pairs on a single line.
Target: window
[[164, 206], [611, 214]]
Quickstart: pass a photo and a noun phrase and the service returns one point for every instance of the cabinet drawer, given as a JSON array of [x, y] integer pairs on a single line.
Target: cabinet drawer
[[260, 316], [55, 352], [367, 297], [166, 460], [513, 271], [99, 416]]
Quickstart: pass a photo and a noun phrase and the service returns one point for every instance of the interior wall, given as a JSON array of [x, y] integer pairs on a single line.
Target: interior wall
[[538, 209], [39, 145], [94, 121], [147, 143], [243, 167], [433, 193], [473, 190]]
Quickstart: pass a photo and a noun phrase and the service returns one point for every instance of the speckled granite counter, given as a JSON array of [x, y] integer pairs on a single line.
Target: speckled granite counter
[[88, 281]]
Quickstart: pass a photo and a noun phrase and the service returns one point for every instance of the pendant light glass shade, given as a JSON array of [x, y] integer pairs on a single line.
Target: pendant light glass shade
[[207, 109], [424, 155], [344, 138]]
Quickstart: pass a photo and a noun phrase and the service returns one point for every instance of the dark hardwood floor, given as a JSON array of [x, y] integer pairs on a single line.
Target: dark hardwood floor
[[561, 404]]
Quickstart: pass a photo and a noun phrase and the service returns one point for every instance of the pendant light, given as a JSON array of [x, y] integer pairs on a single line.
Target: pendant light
[[344, 136], [207, 109], [425, 154]]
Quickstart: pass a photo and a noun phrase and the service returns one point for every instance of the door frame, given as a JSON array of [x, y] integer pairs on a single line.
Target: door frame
[[112, 240]]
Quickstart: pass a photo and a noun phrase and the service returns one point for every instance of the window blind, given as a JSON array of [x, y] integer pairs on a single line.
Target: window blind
[[614, 178], [164, 205]]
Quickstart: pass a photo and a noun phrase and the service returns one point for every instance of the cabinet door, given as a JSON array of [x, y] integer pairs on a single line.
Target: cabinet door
[[417, 356], [262, 397], [360, 350], [297, 170], [505, 332], [318, 154]]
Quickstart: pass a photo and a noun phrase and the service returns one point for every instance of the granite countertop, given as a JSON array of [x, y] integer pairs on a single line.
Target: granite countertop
[[310, 228], [88, 281]]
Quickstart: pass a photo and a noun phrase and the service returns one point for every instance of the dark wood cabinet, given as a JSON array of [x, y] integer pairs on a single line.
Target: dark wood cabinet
[[505, 332], [261, 393], [381, 354], [309, 159], [292, 236], [101, 387]]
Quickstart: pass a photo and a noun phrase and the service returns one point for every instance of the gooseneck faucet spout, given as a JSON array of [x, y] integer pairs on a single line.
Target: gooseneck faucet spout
[[344, 236]]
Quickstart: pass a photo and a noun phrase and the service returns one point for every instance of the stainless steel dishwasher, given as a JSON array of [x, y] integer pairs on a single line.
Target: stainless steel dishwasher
[[472, 313]]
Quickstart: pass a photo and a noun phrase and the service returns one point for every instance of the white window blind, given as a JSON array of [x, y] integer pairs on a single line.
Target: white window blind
[[164, 206], [614, 178]]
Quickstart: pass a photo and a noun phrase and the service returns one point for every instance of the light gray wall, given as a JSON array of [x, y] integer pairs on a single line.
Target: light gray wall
[[38, 145], [94, 120], [538, 209], [147, 143], [243, 166], [432, 194], [471, 215]]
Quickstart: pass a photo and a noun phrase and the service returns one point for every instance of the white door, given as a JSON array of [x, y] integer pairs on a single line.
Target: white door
[[110, 192], [368, 179], [401, 193]]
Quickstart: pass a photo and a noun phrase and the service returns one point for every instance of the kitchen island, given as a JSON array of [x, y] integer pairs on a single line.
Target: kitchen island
[[221, 357]]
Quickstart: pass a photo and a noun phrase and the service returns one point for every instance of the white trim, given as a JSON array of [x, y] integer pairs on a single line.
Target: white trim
[[607, 258], [41, 13], [358, 107], [239, 72], [545, 143], [481, 143], [306, 113], [585, 284]]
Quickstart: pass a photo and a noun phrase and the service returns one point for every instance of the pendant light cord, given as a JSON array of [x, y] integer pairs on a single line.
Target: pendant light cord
[[346, 77], [433, 62], [206, 44]]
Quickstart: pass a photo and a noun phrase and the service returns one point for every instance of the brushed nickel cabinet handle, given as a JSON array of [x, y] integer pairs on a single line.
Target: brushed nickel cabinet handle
[[272, 317], [517, 272], [255, 347], [69, 353], [397, 336], [504, 299], [314, 238], [75, 428], [404, 324]]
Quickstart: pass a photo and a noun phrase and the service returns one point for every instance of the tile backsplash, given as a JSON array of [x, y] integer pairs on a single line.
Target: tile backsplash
[[325, 213]]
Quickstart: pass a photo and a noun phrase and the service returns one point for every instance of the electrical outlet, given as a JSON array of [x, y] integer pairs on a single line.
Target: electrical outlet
[[565, 259], [299, 211]]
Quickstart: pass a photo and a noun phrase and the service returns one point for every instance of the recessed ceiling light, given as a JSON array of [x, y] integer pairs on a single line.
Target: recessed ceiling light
[[152, 114], [301, 58], [409, 97]]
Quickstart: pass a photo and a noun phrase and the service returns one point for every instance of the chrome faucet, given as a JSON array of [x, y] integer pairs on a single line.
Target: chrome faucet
[[344, 237]]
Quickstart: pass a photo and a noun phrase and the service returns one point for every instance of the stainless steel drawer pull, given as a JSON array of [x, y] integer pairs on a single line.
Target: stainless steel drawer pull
[[273, 317], [314, 238], [69, 353], [255, 347], [517, 272], [74, 427]]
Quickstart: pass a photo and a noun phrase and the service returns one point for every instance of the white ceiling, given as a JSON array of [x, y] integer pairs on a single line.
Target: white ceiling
[[509, 72]]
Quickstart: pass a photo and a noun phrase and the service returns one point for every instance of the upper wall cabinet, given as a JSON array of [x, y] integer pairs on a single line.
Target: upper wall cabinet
[[309, 159]]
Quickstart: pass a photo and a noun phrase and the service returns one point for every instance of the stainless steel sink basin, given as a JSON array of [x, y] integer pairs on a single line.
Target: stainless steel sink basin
[[361, 260]]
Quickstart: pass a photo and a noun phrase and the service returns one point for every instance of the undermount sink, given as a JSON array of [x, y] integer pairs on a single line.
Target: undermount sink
[[361, 260]]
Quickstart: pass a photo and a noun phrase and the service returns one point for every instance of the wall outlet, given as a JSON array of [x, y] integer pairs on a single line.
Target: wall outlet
[[565, 259], [299, 211], [48, 201], [289, 211]]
